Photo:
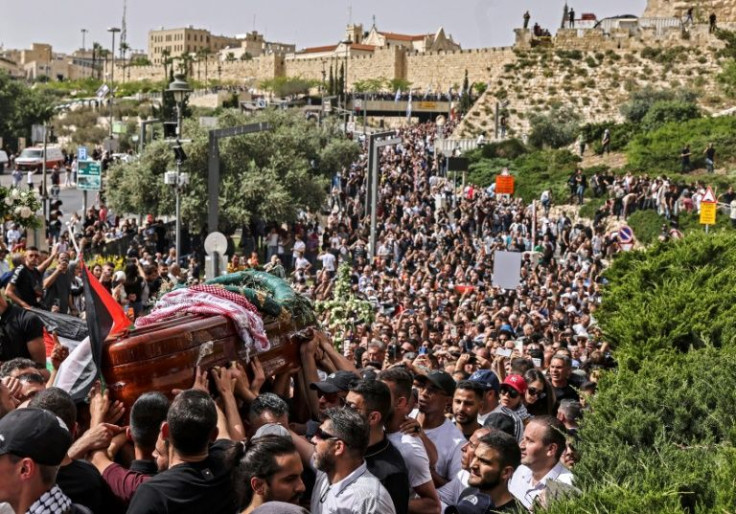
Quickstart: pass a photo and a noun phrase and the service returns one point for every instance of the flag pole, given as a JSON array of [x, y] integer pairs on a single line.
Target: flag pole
[[71, 238]]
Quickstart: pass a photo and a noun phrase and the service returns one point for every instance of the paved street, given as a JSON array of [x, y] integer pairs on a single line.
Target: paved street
[[71, 197]]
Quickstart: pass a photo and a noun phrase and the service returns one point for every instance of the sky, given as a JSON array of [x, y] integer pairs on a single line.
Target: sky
[[472, 23]]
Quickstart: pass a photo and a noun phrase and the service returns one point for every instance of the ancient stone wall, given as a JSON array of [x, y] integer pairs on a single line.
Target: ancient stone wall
[[725, 9], [441, 70]]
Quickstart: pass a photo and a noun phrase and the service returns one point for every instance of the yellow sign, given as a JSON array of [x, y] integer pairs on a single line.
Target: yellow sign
[[430, 106], [708, 213]]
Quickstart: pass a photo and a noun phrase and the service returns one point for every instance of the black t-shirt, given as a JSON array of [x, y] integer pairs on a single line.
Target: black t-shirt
[[83, 484], [566, 393], [58, 292], [193, 487], [28, 285], [385, 462], [18, 326]]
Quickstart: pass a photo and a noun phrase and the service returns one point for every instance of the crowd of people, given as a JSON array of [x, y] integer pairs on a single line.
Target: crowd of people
[[458, 396]]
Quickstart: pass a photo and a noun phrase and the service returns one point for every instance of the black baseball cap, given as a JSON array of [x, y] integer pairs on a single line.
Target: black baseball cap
[[443, 381], [34, 433], [336, 382], [476, 503]]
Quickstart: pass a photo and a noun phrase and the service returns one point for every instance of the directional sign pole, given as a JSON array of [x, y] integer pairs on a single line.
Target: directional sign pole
[[213, 178]]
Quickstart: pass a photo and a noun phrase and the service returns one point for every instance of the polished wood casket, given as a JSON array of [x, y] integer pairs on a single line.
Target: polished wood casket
[[164, 356]]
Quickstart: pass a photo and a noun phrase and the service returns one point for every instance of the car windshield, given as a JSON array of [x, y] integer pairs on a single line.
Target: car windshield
[[31, 153]]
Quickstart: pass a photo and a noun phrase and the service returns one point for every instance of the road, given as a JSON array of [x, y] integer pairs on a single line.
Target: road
[[71, 197]]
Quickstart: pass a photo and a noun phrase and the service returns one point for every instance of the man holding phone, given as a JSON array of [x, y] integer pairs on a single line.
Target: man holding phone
[[57, 286]]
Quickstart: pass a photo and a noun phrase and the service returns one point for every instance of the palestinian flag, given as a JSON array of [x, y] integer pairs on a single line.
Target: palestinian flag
[[104, 315]]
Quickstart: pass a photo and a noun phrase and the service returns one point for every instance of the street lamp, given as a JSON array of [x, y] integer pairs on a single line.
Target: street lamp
[[113, 31], [179, 90]]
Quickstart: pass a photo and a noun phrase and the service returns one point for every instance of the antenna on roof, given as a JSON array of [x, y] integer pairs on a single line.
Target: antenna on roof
[[254, 22], [374, 20], [350, 14]]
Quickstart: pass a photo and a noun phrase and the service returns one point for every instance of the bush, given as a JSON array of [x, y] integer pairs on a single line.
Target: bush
[[642, 100], [666, 111], [660, 436], [621, 134], [685, 288], [556, 129], [659, 150]]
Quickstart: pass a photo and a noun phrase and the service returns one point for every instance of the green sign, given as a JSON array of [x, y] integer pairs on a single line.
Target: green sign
[[89, 176]]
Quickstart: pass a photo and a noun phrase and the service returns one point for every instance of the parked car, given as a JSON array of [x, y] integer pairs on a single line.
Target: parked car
[[32, 158], [3, 161]]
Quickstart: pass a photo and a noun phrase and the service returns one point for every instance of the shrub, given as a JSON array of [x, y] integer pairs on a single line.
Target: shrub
[[642, 100], [666, 111], [556, 129], [659, 150]]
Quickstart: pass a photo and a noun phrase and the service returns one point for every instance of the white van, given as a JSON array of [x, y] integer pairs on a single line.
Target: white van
[[3, 161], [32, 158]]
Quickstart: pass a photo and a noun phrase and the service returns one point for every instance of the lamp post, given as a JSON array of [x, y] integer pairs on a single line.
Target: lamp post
[[179, 89], [113, 31], [84, 38]]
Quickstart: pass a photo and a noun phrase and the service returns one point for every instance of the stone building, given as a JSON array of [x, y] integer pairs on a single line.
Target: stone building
[[253, 44], [187, 40]]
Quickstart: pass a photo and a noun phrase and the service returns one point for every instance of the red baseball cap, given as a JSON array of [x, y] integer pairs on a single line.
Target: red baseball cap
[[517, 382]]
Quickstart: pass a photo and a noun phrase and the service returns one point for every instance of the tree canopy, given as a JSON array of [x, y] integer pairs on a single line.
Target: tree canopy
[[268, 175], [21, 107]]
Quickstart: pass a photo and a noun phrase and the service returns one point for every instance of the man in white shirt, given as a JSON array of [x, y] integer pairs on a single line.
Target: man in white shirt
[[343, 482], [437, 390], [411, 446], [541, 475], [450, 492]]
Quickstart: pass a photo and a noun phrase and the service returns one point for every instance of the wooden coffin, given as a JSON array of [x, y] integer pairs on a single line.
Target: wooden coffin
[[163, 356]]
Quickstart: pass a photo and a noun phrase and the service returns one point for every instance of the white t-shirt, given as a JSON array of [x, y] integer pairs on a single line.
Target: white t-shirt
[[299, 246], [328, 261], [415, 457], [448, 439], [450, 492]]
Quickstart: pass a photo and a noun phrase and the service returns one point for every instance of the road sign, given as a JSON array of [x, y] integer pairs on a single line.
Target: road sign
[[708, 197], [625, 234], [81, 153], [89, 176], [708, 208], [504, 185], [707, 213]]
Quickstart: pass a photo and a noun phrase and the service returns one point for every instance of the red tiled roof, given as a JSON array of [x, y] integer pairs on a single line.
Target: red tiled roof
[[357, 46], [403, 37], [317, 49]]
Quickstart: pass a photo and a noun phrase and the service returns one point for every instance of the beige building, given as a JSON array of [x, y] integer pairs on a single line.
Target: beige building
[[437, 42], [188, 40], [254, 44]]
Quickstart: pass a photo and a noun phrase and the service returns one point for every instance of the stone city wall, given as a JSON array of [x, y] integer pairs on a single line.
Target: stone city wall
[[442, 70]]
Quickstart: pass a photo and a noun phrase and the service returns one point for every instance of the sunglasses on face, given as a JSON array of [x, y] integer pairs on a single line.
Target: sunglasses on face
[[324, 436], [512, 393], [539, 393]]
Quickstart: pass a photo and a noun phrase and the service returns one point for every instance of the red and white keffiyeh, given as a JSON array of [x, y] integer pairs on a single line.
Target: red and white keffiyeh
[[212, 300]]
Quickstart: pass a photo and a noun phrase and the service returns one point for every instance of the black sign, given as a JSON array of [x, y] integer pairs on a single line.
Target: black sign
[[457, 164]]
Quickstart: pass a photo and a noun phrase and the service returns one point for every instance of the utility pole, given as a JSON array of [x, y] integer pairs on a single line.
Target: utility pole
[[113, 31], [373, 146]]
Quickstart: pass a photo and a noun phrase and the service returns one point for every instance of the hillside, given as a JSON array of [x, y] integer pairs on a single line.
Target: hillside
[[594, 83]]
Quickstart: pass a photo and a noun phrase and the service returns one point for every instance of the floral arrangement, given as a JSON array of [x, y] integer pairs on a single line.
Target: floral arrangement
[[346, 309], [20, 207]]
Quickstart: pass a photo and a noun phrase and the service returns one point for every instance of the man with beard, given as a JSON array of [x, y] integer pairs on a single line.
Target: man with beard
[[451, 491], [372, 399], [344, 483], [493, 464], [465, 407], [270, 471]]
